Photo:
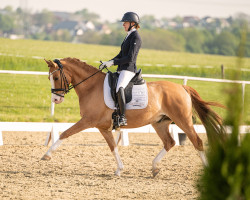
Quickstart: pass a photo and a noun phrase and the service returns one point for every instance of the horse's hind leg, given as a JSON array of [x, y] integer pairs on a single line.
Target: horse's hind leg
[[185, 122], [197, 142], [112, 145], [162, 129]]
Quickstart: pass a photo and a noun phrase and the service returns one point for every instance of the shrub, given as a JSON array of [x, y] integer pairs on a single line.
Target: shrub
[[228, 173]]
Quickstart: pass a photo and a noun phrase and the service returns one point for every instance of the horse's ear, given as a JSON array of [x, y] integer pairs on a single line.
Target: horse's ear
[[50, 63], [46, 62]]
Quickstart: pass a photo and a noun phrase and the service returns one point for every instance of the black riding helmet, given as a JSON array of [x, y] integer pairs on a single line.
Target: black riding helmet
[[131, 17]]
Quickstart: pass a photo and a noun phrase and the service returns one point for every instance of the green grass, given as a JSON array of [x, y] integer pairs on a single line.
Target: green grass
[[27, 98], [9, 49]]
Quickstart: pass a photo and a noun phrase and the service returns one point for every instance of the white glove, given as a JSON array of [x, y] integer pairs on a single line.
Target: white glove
[[107, 64]]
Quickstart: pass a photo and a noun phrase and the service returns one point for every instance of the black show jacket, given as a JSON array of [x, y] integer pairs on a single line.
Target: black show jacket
[[126, 59]]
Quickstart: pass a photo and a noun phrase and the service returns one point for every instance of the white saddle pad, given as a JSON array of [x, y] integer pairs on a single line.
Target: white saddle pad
[[139, 96]]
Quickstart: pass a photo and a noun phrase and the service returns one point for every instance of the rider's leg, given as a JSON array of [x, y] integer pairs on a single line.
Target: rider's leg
[[124, 79], [122, 106]]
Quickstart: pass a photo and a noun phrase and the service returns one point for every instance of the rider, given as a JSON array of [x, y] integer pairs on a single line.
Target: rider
[[126, 59]]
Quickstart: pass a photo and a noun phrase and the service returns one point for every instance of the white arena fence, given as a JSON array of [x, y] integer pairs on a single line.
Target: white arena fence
[[53, 130], [184, 78]]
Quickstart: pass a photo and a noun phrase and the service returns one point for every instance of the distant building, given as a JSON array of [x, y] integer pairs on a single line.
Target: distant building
[[75, 28], [62, 16], [191, 21], [16, 37], [104, 29]]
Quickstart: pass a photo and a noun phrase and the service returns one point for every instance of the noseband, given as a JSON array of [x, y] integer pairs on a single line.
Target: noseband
[[64, 80]]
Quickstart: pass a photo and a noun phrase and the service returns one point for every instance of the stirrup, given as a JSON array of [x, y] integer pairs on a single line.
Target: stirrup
[[123, 121]]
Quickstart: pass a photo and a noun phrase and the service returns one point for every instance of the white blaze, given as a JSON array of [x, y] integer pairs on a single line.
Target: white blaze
[[54, 98]]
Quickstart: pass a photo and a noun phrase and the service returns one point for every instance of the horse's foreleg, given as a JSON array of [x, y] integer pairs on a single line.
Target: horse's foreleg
[[79, 126], [118, 162], [112, 145], [47, 156]]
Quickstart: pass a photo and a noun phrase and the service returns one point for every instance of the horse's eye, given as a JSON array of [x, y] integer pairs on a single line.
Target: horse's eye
[[56, 78]]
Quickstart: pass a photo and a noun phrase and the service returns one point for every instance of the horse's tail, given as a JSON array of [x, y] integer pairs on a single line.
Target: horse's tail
[[209, 118]]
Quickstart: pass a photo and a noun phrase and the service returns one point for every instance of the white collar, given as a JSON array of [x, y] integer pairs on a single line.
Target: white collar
[[129, 32]]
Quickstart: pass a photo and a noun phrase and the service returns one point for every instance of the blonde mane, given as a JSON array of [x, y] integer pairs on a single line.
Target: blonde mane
[[81, 64]]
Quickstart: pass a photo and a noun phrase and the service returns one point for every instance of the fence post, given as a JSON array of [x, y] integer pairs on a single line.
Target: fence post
[[52, 111], [185, 81], [175, 135], [222, 72], [243, 95], [53, 135], [1, 138], [124, 138], [118, 137]]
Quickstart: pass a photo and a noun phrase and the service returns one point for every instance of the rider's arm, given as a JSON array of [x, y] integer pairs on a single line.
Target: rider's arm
[[135, 45], [118, 56]]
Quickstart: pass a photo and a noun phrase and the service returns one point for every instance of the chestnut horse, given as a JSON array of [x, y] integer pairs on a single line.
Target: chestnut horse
[[167, 102]]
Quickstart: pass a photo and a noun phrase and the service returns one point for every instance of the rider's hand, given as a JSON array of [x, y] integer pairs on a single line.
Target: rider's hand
[[107, 64]]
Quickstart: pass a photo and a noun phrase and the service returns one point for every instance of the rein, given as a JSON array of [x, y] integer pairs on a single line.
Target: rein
[[64, 80]]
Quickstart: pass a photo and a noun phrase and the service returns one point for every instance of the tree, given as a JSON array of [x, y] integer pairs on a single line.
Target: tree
[[6, 23], [148, 22], [88, 16], [115, 38], [62, 35], [194, 40], [224, 44], [247, 48], [90, 37], [43, 18], [162, 40]]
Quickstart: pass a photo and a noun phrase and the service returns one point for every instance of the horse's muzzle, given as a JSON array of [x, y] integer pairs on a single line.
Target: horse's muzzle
[[57, 99]]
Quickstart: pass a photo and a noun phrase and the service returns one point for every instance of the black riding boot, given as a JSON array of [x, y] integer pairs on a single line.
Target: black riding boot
[[122, 107]]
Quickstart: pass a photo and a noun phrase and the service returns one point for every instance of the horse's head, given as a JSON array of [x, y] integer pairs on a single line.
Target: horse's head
[[61, 76], [58, 80]]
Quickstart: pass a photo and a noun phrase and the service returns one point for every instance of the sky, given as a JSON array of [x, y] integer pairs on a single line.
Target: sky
[[112, 10]]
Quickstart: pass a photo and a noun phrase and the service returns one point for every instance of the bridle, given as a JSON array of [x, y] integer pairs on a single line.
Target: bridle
[[64, 81]]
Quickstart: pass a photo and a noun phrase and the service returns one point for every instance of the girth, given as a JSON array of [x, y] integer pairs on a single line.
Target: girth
[[136, 80]]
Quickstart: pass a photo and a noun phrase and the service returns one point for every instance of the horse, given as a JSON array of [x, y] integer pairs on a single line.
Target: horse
[[167, 102]]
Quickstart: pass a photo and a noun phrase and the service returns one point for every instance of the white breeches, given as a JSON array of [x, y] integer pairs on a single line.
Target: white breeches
[[124, 79]]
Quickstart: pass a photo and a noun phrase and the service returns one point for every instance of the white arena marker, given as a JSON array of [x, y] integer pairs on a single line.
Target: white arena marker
[[118, 137], [122, 135], [1, 138], [53, 135], [47, 139], [175, 135], [124, 138]]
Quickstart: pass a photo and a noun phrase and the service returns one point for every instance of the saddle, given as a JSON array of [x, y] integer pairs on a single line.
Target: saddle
[[113, 79]]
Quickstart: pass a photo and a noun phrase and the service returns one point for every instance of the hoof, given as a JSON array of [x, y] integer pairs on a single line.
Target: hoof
[[155, 172], [45, 157]]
